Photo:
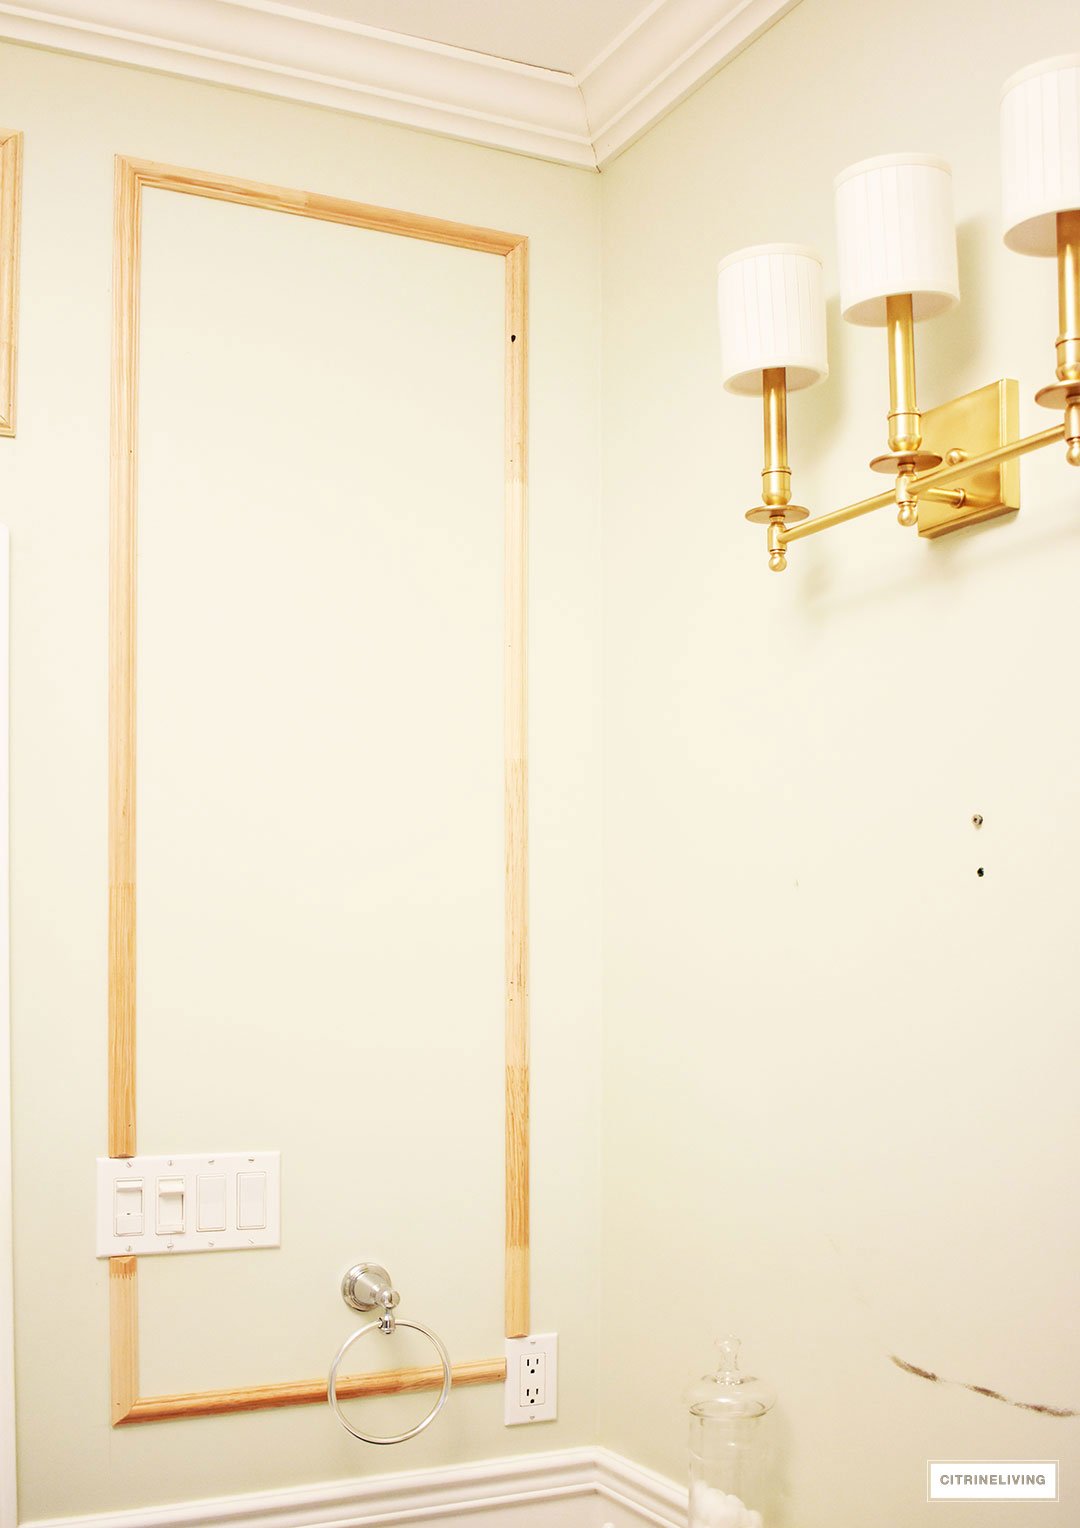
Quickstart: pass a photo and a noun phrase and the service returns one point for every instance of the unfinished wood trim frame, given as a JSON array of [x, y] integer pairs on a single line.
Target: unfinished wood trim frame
[[132, 176], [11, 147]]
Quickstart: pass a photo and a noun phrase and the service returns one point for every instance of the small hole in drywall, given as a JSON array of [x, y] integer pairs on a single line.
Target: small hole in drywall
[[980, 871]]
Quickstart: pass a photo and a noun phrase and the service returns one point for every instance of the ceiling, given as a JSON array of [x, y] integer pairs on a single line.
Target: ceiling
[[555, 34], [575, 81]]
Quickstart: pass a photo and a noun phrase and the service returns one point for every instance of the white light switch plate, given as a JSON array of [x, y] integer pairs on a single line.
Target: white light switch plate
[[219, 1202], [532, 1379]]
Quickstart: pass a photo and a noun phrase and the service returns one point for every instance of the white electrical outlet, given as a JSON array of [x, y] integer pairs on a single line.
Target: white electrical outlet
[[532, 1379], [532, 1372]]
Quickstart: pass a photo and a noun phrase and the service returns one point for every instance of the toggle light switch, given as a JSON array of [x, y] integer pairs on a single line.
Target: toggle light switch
[[170, 1206], [128, 1207], [251, 1201], [210, 1202]]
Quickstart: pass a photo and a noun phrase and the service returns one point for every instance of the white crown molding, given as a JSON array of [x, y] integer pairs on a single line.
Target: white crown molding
[[673, 47], [282, 50], [277, 50], [576, 1488]]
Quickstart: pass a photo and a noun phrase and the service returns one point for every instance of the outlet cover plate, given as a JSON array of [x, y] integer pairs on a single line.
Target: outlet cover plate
[[519, 1350]]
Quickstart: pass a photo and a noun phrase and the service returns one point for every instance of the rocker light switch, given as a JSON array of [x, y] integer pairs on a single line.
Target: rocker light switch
[[170, 1206], [128, 1207], [251, 1201], [210, 1202]]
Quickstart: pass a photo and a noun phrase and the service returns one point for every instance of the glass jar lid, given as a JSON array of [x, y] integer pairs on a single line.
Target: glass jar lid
[[728, 1392]]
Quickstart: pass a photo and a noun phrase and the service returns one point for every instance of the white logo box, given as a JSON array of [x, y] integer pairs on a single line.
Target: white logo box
[[992, 1480]]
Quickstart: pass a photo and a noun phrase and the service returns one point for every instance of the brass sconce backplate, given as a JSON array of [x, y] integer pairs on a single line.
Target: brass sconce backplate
[[973, 424]]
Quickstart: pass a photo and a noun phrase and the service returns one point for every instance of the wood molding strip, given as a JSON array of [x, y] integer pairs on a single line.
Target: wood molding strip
[[308, 1392], [124, 1335], [11, 151], [327, 209], [128, 1406], [123, 454], [517, 818]]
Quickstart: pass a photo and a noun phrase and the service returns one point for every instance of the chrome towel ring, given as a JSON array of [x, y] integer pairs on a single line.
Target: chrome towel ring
[[367, 1286]]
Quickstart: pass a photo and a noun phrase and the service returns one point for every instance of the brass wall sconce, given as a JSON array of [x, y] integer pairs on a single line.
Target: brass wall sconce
[[958, 463]]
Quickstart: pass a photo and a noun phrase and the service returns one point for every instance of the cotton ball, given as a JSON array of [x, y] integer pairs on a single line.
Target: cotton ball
[[712, 1510], [729, 1512], [714, 1515], [700, 1501], [701, 1497], [752, 1519]]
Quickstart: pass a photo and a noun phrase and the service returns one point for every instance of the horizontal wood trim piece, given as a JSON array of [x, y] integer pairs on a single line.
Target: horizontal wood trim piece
[[308, 1392], [327, 209], [11, 145]]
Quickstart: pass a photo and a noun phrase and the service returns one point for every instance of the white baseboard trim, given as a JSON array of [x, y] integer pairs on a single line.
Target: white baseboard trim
[[575, 1488]]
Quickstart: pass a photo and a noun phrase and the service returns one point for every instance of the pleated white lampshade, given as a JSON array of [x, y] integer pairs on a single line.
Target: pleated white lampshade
[[1040, 152], [896, 235], [772, 313]]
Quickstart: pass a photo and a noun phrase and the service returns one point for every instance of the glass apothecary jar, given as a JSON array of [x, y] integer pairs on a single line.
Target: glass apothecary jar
[[732, 1453]]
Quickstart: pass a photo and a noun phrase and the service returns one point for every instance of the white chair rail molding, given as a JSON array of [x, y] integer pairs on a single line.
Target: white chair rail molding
[[566, 1488], [958, 463]]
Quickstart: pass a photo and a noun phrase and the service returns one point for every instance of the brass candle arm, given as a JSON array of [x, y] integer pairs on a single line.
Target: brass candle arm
[[776, 474], [776, 509], [1068, 341], [1065, 392], [905, 421]]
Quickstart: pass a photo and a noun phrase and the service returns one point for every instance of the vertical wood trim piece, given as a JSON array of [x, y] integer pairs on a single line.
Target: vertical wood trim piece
[[123, 1335], [122, 589], [517, 796], [11, 146]]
